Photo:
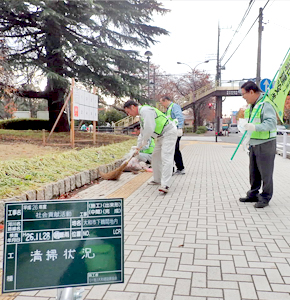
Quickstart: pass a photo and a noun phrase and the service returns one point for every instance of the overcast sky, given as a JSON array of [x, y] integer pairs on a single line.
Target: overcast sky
[[193, 27]]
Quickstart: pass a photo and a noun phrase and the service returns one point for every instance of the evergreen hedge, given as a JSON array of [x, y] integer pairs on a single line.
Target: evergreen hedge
[[24, 124]]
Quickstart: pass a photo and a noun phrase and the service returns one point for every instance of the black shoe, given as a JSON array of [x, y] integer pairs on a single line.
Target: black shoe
[[248, 199], [261, 204]]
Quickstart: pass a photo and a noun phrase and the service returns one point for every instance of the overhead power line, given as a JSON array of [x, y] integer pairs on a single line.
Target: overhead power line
[[245, 35], [239, 26]]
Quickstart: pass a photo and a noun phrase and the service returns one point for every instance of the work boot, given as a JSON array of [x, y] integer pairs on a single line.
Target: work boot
[[248, 199], [261, 204]]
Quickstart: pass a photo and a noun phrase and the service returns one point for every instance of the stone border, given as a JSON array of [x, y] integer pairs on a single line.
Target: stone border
[[68, 184]]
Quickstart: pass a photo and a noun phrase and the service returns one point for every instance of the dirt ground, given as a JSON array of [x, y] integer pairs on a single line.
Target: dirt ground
[[12, 147], [24, 150]]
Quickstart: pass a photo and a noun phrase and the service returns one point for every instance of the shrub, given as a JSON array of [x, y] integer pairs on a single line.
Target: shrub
[[187, 129], [199, 132], [24, 124], [202, 129]]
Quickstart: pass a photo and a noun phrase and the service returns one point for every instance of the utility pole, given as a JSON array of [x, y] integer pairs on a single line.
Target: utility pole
[[258, 75], [154, 86], [218, 105]]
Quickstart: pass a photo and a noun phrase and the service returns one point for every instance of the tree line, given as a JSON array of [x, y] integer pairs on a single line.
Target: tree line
[[91, 41]]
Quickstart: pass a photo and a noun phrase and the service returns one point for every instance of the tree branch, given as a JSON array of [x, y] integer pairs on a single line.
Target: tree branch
[[23, 93]]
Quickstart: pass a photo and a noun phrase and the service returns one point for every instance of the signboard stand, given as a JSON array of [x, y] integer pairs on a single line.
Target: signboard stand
[[69, 294], [83, 106]]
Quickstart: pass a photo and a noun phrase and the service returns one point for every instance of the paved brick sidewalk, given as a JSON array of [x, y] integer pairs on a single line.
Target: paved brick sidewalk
[[198, 242]]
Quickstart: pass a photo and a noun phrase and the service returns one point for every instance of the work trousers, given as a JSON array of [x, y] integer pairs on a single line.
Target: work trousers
[[262, 158], [144, 157], [177, 155], [162, 157]]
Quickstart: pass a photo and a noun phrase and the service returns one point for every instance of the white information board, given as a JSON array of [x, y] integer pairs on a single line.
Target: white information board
[[85, 105]]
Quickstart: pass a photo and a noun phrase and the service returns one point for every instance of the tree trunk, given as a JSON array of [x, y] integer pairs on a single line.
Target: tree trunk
[[56, 86], [55, 104], [194, 110]]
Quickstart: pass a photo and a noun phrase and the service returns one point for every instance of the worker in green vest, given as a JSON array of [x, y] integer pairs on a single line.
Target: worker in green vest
[[174, 113], [262, 144], [145, 153], [155, 124]]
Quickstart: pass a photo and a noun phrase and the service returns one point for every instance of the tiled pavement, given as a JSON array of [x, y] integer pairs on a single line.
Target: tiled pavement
[[198, 242]]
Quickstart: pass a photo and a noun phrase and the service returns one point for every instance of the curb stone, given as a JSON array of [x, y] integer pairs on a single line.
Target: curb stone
[[68, 184]]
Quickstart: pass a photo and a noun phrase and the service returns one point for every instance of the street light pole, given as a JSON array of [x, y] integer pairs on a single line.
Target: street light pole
[[148, 54], [194, 127]]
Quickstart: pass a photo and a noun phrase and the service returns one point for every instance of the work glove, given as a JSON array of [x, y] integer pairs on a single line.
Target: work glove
[[250, 127], [135, 152], [179, 132]]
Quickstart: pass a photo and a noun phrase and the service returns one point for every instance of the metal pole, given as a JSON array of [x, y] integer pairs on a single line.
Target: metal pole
[[154, 85], [148, 54], [218, 78], [148, 58], [69, 293], [258, 74], [194, 127], [284, 144]]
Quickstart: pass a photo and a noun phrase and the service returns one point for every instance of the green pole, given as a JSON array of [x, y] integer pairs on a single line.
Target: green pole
[[268, 89]]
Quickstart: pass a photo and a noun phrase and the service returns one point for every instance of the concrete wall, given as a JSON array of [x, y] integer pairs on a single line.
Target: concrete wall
[[22, 114]]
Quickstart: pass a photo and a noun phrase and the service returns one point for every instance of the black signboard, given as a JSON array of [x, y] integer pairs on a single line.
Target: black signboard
[[56, 244]]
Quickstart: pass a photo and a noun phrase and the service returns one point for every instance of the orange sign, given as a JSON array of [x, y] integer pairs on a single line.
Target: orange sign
[[76, 111]]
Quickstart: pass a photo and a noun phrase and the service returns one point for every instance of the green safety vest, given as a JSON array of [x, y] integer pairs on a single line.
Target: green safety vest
[[151, 147], [259, 135], [160, 120], [168, 113]]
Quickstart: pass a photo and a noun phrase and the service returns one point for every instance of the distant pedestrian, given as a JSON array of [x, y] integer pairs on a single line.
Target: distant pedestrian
[[155, 124], [174, 112], [84, 127], [262, 144]]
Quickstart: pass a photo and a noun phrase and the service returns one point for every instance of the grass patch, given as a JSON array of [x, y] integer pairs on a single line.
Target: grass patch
[[20, 175]]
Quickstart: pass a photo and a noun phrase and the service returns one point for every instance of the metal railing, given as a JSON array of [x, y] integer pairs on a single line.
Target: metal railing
[[285, 135], [193, 96], [206, 90], [126, 122]]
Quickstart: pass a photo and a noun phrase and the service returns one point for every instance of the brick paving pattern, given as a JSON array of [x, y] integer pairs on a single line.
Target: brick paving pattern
[[198, 242]]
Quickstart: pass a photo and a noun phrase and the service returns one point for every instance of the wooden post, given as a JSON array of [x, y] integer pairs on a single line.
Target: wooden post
[[72, 121], [94, 132], [94, 122], [43, 137], [59, 115]]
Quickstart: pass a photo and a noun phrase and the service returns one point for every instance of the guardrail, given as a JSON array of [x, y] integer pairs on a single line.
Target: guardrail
[[127, 121], [285, 134]]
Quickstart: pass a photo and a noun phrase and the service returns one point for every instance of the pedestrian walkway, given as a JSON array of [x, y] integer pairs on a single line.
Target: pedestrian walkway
[[198, 242]]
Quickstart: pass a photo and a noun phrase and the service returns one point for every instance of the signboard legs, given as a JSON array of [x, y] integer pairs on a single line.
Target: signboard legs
[[69, 293]]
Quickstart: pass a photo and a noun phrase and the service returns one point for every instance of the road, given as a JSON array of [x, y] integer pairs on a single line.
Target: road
[[233, 138]]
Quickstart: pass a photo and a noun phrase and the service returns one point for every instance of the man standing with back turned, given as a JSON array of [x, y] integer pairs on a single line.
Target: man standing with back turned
[[262, 145], [155, 124], [174, 112]]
